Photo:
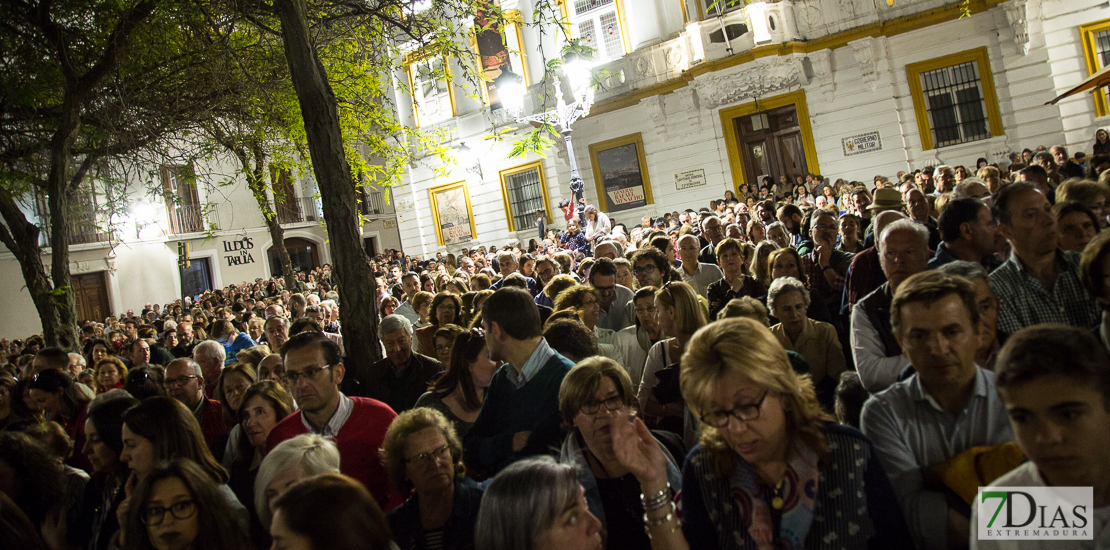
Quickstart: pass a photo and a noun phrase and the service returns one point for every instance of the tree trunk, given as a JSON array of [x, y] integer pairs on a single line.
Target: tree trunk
[[62, 330], [22, 238], [359, 311], [256, 181]]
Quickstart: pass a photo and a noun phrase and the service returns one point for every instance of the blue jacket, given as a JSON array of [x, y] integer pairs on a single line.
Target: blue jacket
[[458, 532]]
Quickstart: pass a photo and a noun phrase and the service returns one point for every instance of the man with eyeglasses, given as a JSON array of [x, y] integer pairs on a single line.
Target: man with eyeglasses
[[650, 267], [313, 372], [185, 382], [712, 234], [520, 417], [826, 266], [616, 310], [400, 378]]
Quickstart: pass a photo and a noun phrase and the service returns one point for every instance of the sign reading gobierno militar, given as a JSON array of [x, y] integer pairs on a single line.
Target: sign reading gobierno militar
[[862, 143], [688, 179]]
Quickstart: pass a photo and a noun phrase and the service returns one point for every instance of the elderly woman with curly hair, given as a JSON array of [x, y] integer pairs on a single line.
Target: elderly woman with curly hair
[[771, 470], [424, 457]]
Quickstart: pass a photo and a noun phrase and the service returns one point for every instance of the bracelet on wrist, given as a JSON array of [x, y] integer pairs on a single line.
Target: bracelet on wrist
[[656, 500]]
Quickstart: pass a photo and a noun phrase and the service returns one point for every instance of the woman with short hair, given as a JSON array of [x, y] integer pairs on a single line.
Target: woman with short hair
[[290, 461], [786, 262], [816, 341], [424, 457], [594, 397], [109, 373], [771, 469], [536, 503]]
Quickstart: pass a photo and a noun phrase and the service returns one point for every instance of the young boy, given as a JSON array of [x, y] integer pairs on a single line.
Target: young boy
[[1055, 383]]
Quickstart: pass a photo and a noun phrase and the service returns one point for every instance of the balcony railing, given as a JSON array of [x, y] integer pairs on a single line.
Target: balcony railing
[[83, 229], [298, 210], [373, 204], [189, 218]]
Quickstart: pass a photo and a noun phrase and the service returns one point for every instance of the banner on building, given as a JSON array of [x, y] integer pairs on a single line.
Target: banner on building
[[452, 214], [620, 173]]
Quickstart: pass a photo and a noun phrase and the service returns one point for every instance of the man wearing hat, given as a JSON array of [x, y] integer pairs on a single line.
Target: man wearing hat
[[885, 200]]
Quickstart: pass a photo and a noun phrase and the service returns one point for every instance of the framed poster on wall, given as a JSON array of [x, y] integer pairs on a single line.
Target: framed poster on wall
[[620, 173], [452, 214]]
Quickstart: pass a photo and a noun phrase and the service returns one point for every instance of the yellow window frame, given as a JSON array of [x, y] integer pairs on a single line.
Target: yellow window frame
[[599, 185], [504, 174], [409, 61], [732, 143], [986, 83], [568, 24], [1087, 33], [514, 22], [434, 191]]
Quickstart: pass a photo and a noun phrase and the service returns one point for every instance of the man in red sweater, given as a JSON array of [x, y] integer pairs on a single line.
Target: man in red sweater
[[313, 372], [185, 383]]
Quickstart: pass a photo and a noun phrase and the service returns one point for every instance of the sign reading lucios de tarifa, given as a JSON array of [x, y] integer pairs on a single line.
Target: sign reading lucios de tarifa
[[862, 143]]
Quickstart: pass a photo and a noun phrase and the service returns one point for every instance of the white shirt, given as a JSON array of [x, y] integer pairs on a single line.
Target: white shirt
[[342, 413], [876, 371], [703, 276]]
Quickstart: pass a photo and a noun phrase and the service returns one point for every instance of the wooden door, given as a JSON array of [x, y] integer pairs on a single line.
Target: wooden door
[[91, 294], [771, 144]]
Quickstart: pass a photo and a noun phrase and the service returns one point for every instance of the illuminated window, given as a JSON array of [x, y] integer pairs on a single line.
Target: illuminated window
[[954, 99], [1096, 48], [598, 23]]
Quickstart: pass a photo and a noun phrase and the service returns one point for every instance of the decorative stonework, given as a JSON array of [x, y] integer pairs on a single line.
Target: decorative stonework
[[688, 100], [820, 62], [1016, 16], [655, 107], [763, 77], [868, 60]]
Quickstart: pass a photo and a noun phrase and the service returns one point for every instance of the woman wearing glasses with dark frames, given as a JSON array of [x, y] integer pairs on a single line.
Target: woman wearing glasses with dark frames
[[596, 396], [178, 506], [424, 457], [772, 470]]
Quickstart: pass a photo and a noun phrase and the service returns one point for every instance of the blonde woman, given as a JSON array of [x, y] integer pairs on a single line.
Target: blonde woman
[[680, 315], [765, 445]]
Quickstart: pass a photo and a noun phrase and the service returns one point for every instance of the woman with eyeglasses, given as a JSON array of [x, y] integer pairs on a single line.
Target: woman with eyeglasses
[[459, 392], [424, 457], [771, 470], [595, 397], [161, 428], [177, 506]]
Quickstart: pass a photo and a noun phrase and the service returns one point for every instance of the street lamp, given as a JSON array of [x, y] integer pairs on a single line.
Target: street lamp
[[510, 88]]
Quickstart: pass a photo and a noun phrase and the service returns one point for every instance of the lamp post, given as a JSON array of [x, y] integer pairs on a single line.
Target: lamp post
[[510, 88]]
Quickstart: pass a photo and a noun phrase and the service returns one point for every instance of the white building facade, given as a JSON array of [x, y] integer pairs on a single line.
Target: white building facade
[[131, 259], [842, 88]]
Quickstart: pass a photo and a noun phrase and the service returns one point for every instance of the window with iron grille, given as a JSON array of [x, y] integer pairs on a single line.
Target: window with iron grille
[[524, 195], [955, 105]]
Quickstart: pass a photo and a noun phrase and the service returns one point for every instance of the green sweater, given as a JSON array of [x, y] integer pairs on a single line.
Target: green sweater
[[507, 410]]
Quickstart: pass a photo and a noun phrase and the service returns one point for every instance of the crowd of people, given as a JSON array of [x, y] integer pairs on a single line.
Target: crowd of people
[[803, 364]]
